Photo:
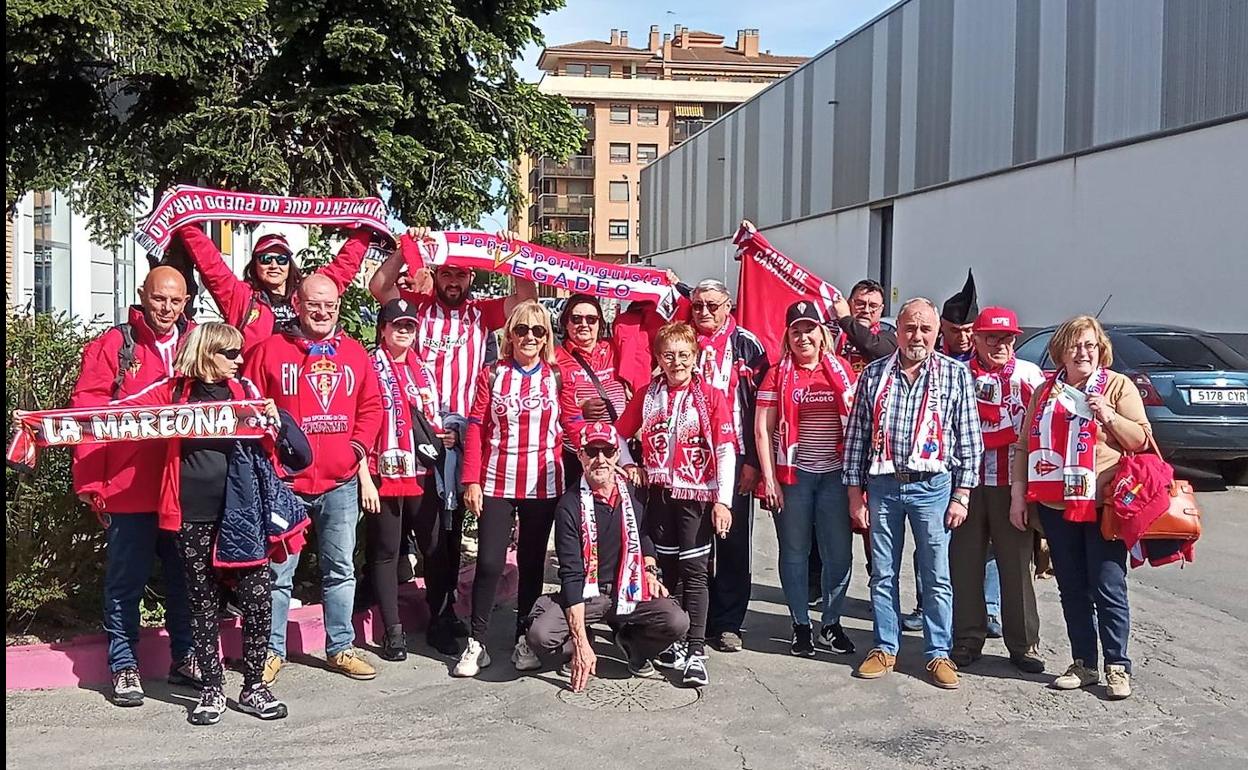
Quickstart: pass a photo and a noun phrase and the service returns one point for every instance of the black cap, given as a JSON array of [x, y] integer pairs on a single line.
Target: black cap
[[963, 307], [396, 310], [803, 310]]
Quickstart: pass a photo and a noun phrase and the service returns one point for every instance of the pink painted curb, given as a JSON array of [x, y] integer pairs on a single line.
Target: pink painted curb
[[83, 661]]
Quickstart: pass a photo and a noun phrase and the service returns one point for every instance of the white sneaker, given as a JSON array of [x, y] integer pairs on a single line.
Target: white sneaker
[[473, 659], [1117, 682], [1076, 676], [523, 656]]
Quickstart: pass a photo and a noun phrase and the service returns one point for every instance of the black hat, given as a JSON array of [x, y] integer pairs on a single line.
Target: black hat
[[803, 310], [396, 310], [963, 307]]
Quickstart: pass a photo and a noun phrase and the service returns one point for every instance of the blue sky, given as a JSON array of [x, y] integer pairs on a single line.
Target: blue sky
[[786, 27]]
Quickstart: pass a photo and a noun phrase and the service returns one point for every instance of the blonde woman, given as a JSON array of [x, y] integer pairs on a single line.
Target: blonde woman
[[513, 466], [1078, 424]]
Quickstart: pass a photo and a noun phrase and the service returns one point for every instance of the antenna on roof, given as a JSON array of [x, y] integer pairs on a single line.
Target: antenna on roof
[[1102, 310]]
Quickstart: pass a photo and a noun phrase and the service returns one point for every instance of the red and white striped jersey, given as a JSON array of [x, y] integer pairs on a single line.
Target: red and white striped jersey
[[513, 444], [452, 342]]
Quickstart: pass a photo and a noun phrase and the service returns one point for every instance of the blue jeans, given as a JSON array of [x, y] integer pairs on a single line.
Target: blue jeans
[[1091, 577], [818, 502], [924, 504], [335, 515], [134, 540]]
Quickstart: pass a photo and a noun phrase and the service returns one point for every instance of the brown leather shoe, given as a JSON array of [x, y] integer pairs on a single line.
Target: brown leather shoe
[[877, 664], [943, 673]]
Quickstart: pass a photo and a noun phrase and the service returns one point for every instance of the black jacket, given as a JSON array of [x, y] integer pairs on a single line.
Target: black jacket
[[872, 346], [568, 542]]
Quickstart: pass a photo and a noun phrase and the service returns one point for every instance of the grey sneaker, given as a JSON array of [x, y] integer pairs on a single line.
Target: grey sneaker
[[210, 707], [127, 688], [1117, 682], [258, 700], [1078, 675], [638, 665], [913, 621], [728, 641]]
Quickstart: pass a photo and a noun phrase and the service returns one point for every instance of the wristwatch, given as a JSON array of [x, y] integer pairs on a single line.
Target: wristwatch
[[653, 569], [963, 500]]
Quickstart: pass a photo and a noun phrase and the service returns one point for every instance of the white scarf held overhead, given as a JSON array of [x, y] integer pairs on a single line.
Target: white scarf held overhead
[[927, 449], [630, 582]]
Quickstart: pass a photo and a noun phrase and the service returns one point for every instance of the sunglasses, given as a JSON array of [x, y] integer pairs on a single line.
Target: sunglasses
[[230, 353], [268, 259], [524, 330], [588, 320], [710, 307], [603, 450]]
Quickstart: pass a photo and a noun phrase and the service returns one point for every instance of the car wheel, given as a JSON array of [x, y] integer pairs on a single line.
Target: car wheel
[[1235, 472]]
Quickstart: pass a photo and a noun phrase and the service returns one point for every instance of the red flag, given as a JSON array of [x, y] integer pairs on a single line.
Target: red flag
[[768, 283]]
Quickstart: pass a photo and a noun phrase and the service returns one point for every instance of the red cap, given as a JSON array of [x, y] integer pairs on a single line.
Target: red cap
[[599, 433], [997, 319], [273, 243]]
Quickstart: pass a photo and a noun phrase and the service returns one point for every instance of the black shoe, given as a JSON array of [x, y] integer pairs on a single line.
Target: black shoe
[[1029, 662], [127, 688], [833, 638], [456, 627], [638, 665], [673, 657], [695, 672], [186, 673], [210, 707], [441, 636], [394, 648], [802, 643], [260, 701], [963, 656]]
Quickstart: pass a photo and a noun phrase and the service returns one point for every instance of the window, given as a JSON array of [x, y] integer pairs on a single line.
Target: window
[[600, 70], [646, 153], [619, 191], [647, 116], [621, 113], [619, 229], [574, 70], [1036, 350], [579, 187], [646, 75], [620, 152], [581, 110]]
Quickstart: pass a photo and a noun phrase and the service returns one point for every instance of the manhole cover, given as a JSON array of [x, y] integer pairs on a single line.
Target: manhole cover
[[631, 695]]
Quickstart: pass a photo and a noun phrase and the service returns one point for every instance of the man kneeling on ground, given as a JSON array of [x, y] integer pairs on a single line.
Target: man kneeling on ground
[[607, 570]]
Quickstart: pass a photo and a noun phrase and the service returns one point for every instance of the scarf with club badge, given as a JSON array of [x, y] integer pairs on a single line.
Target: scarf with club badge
[[1061, 450], [996, 391], [630, 584], [787, 439], [927, 453]]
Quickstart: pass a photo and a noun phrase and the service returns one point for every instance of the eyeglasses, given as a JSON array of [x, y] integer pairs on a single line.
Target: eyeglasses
[[604, 450], [230, 353], [1084, 346], [524, 330], [321, 307], [872, 306], [672, 358], [710, 307], [993, 340], [268, 259], [577, 319]]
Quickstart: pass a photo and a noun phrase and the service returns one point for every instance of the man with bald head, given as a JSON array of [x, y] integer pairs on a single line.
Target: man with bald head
[[119, 483], [913, 445], [325, 380]]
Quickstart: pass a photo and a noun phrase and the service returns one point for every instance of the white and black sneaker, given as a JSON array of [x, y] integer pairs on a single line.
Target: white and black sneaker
[[637, 664], [260, 701], [127, 689], [695, 672], [210, 707], [802, 643], [673, 657], [834, 639]]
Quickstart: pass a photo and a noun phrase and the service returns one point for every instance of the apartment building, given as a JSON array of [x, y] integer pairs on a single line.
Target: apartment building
[[636, 104]]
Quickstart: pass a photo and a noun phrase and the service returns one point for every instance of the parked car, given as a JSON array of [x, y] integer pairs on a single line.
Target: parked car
[[1194, 386]]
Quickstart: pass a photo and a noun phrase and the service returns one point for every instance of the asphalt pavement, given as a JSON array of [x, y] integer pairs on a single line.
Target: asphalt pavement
[[763, 709]]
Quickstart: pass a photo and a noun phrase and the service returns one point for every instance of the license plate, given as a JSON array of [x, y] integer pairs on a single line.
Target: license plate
[[1219, 395]]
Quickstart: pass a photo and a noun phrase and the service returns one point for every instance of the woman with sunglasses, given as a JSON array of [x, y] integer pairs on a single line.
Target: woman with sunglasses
[[689, 459], [512, 467], [261, 299], [194, 494], [592, 388]]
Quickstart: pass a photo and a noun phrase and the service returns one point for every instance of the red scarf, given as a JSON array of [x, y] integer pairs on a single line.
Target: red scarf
[[718, 368], [996, 391], [678, 443], [402, 387], [927, 453], [630, 584], [787, 439], [1061, 450]]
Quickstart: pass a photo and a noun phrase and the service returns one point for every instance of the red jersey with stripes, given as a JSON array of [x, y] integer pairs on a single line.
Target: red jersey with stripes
[[819, 419], [513, 443], [452, 340]]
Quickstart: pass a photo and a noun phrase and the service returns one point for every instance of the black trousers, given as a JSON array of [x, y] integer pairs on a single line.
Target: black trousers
[[651, 627], [203, 588], [438, 547], [682, 535], [498, 517], [732, 582]]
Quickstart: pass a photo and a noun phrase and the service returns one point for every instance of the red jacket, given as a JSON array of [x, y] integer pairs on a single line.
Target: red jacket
[[632, 335], [119, 476], [334, 398], [236, 298]]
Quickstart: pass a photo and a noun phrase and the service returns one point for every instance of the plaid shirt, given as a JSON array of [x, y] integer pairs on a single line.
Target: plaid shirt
[[959, 421]]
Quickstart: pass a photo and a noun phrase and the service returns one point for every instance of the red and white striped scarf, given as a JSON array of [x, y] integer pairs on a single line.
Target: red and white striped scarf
[[630, 584], [402, 387], [787, 426], [678, 446], [1061, 450], [996, 391], [719, 369], [927, 453]]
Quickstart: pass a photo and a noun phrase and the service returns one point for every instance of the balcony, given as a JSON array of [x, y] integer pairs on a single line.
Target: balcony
[[568, 242], [683, 129], [570, 205], [579, 166]]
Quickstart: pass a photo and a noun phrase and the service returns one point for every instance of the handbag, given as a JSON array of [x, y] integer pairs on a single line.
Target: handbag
[[1145, 486]]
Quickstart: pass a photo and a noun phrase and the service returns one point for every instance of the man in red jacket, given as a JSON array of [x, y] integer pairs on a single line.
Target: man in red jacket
[[121, 482], [325, 380]]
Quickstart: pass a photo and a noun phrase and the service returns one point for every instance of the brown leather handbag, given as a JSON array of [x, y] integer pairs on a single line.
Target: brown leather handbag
[[1179, 521]]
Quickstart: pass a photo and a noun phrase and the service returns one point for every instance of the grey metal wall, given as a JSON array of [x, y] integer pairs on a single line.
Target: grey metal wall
[[940, 90]]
